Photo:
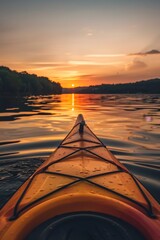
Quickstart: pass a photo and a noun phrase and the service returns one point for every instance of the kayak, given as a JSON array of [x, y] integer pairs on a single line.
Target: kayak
[[81, 192]]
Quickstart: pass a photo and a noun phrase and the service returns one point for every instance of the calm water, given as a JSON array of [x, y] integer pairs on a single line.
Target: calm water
[[31, 128]]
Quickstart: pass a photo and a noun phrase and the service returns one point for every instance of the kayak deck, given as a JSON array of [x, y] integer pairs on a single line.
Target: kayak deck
[[82, 159]]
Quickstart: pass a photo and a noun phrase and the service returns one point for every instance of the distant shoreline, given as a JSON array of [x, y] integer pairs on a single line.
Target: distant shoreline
[[21, 84], [151, 86], [138, 93]]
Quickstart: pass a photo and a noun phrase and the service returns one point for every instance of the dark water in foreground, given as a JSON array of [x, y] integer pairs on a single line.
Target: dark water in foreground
[[31, 128]]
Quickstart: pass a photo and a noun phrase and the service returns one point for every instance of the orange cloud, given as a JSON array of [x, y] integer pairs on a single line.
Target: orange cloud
[[151, 52], [94, 63], [104, 55], [136, 65]]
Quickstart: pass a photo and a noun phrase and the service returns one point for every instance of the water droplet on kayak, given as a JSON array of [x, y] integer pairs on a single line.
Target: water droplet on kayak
[[92, 192]]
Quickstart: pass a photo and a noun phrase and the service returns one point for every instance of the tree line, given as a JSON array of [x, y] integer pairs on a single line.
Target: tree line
[[151, 86], [25, 84]]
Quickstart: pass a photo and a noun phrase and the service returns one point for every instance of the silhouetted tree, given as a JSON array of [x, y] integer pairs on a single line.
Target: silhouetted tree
[[148, 86], [14, 83]]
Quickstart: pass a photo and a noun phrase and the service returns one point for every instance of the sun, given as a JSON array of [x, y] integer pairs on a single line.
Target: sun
[[73, 85]]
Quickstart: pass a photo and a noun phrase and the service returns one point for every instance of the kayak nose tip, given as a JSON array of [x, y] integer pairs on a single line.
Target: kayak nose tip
[[80, 118]]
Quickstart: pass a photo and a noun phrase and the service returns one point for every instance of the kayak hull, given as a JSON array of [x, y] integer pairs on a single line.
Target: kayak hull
[[81, 193]]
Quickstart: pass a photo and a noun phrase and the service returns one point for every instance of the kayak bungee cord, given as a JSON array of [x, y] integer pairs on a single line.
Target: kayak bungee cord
[[81, 126]]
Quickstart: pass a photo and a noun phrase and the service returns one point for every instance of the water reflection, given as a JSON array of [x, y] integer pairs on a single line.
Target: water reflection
[[113, 117], [72, 101]]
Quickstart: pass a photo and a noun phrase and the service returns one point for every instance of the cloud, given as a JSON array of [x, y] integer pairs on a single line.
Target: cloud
[[40, 66], [48, 64], [82, 63], [151, 52], [97, 79], [136, 65], [89, 34], [104, 55], [92, 63]]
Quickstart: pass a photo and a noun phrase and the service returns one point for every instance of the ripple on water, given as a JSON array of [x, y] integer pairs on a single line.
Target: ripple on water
[[13, 174], [148, 175]]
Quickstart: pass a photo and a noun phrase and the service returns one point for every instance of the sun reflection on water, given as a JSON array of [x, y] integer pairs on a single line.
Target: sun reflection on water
[[72, 102]]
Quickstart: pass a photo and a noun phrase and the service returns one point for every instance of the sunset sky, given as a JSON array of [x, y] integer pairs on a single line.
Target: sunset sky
[[82, 42]]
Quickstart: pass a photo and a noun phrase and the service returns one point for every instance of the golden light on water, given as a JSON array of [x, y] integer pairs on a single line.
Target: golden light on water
[[73, 101]]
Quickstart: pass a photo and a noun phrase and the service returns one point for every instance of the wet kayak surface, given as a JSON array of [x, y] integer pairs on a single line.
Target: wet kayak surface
[[32, 127]]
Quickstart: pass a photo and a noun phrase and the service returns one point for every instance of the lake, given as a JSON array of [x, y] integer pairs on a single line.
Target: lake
[[32, 127]]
